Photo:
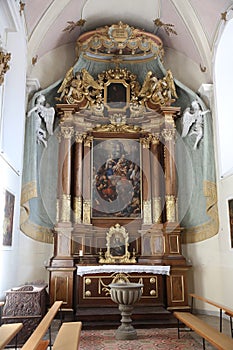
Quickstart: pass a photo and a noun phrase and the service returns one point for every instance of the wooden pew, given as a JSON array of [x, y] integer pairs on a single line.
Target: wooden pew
[[35, 339], [221, 308], [68, 336], [212, 335], [8, 332]]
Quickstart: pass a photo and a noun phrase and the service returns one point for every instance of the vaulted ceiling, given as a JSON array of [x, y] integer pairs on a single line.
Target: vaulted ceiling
[[189, 27]]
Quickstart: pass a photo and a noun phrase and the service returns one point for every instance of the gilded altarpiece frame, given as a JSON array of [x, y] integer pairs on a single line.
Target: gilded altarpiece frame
[[116, 178]]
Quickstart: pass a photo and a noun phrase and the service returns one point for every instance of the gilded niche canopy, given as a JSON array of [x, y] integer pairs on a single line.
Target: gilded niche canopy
[[118, 85]]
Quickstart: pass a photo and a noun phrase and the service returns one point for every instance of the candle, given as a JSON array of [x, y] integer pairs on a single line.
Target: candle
[[80, 253]]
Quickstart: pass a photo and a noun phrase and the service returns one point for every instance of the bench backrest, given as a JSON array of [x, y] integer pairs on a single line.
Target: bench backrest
[[213, 303], [41, 329]]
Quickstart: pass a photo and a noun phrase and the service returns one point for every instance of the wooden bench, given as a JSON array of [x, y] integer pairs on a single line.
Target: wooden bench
[[8, 332], [221, 308], [68, 336], [35, 340], [212, 335]]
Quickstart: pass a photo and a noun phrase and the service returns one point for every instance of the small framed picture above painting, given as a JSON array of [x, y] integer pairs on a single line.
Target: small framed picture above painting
[[8, 218], [230, 207]]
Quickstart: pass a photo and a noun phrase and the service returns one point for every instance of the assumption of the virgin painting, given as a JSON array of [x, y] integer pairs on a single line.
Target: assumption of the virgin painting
[[116, 178]]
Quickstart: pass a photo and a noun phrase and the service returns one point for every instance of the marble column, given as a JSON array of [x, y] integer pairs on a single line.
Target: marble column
[[156, 182], [146, 181], [168, 133], [87, 180], [78, 178], [66, 133]]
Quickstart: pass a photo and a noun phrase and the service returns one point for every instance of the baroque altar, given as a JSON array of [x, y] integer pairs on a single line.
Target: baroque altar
[[112, 153], [117, 185]]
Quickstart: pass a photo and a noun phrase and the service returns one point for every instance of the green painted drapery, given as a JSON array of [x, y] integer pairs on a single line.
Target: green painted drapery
[[197, 196]]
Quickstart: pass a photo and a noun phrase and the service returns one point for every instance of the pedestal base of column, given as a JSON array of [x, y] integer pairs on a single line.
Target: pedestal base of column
[[173, 254], [152, 243], [61, 284]]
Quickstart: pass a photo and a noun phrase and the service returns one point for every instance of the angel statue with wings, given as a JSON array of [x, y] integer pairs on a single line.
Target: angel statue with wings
[[45, 113], [192, 120]]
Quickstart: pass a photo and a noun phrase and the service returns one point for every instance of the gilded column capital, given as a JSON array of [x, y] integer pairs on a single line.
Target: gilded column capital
[[168, 134], [155, 138], [79, 137], [67, 132], [169, 119], [88, 140], [145, 141]]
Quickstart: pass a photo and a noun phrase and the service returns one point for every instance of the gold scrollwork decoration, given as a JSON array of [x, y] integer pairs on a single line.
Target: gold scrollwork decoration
[[117, 128], [170, 208], [147, 212], [65, 213], [77, 209], [157, 209], [87, 212], [4, 59]]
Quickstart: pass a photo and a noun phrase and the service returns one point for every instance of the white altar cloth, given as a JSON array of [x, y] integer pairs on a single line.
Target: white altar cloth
[[154, 269]]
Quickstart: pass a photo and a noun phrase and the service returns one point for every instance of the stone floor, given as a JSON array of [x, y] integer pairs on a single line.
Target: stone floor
[[212, 320]]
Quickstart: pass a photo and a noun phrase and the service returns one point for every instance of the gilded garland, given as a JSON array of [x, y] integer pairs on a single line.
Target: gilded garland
[[4, 59]]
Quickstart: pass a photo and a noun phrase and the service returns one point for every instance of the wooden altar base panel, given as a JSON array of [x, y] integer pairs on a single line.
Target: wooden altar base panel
[[108, 317]]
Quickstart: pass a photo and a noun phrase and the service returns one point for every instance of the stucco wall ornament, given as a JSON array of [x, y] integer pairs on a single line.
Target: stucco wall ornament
[[42, 113]]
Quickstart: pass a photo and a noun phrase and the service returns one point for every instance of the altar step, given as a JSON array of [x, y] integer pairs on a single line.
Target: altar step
[[143, 317]]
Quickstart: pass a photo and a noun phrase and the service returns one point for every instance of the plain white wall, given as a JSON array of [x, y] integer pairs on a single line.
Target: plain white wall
[[24, 260]]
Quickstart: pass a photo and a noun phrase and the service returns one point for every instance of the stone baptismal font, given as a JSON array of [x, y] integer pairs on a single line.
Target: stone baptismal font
[[126, 295]]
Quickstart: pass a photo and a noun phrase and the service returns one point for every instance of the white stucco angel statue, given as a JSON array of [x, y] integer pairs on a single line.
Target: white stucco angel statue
[[193, 116], [45, 113]]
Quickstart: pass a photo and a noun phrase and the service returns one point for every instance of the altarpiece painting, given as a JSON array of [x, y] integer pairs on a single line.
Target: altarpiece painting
[[116, 178]]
